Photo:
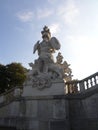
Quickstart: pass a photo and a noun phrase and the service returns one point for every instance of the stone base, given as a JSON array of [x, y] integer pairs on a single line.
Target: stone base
[[57, 88]]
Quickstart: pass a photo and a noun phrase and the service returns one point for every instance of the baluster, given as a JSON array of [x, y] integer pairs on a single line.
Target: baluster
[[91, 82], [87, 84], [95, 81], [71, 86], [68, 88], [82, 86], [76, 87]]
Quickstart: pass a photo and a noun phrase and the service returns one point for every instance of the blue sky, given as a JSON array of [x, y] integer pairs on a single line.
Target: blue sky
[[73, 22]]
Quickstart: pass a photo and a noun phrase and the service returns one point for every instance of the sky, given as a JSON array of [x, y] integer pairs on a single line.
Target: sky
[[73, 22]]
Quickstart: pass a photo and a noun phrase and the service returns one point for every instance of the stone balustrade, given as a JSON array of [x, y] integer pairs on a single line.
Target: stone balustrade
[[74, 86], [78, 86], [10, 95]]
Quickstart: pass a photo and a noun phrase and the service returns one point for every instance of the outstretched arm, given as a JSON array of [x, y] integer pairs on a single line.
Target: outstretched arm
[[36, 46]]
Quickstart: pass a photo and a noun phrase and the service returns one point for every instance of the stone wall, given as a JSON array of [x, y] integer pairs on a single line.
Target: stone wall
[[55, 112], [83, 110], [36, 113]]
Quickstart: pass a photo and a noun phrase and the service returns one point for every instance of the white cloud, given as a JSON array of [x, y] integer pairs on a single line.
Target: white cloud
[[68, 12], [43, 13], [54, 28], [25, 16]]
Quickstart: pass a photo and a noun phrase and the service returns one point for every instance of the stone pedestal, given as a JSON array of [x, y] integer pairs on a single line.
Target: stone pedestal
[[56, 88]]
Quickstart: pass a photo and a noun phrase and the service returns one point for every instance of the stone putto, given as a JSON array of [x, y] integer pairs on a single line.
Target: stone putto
[[44, 69]]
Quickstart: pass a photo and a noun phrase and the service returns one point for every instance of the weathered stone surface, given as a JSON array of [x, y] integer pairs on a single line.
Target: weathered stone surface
[[59, 111], [51, 112], [44, 69], [83, 111], [34, 113], [31, 108], [56, 88], [11, 109], [58, 125]]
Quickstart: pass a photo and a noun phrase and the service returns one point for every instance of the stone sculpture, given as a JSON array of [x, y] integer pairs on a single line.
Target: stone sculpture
[[44, 69]]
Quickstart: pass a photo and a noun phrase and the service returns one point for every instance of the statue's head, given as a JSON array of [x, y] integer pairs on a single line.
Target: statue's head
[[46, 33]]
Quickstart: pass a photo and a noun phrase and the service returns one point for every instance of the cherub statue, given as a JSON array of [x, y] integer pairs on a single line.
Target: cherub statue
[[44, 69], [45, 49]]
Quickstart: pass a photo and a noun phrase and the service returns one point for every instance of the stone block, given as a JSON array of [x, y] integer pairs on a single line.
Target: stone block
[[31, 108], [55, 89]]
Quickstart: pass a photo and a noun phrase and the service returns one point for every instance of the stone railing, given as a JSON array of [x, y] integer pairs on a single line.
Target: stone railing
[[74, 86], [78, 86], [10, 95]]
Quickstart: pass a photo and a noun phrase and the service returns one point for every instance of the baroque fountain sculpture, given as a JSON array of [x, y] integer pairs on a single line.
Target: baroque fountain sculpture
[[44, 70]]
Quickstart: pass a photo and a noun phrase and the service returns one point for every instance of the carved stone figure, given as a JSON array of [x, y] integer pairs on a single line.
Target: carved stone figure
[[59, 58], [45, 49], [44, 69]]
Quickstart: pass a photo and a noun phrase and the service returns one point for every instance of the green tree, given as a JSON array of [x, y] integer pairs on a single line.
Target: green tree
[[16, 74], [3, 78], [11, 75]]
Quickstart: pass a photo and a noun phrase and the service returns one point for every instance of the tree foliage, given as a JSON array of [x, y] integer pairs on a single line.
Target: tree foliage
[[11, 75], [3, 78]]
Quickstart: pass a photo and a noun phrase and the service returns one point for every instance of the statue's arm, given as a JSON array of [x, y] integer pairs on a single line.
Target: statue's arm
[[36, 46]]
